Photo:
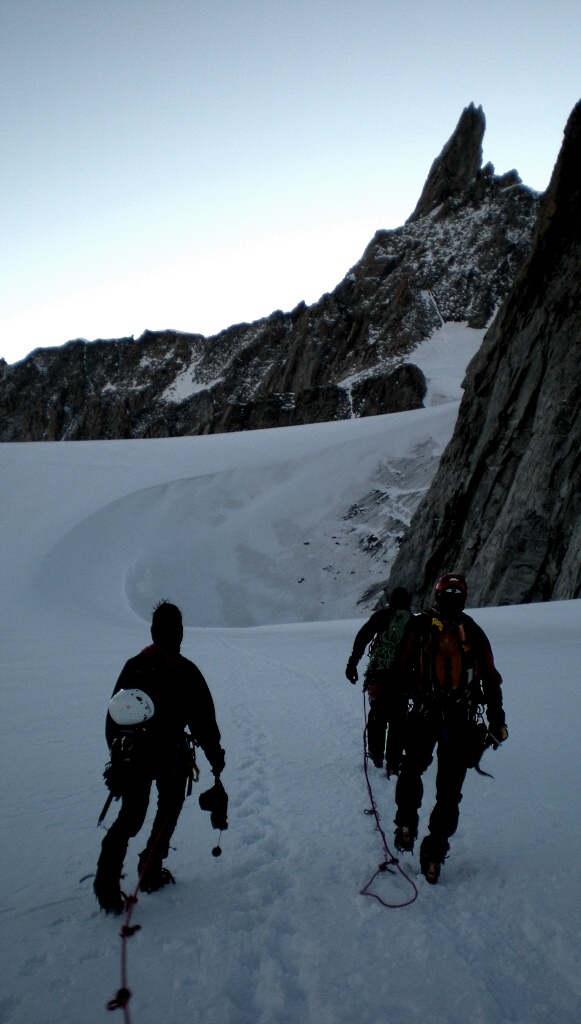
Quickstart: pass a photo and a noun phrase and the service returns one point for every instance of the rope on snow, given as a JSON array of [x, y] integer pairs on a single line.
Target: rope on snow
[[121, 999], [390, 862]]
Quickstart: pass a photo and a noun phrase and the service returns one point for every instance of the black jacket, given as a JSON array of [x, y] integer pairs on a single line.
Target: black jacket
[[181, 698]]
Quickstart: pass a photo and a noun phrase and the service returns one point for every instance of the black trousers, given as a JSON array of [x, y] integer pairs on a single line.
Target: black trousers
[[171, 791], [385, 727], [421, 740]]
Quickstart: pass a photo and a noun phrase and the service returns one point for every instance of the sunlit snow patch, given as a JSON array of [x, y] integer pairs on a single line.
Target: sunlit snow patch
[[443, 359]]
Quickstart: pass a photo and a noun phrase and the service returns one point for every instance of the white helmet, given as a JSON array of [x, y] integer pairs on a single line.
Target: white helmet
[[131, 707]]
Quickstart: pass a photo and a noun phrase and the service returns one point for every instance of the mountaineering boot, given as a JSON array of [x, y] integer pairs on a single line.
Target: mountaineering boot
[[430, 869], [404, 838], [109, 895], [154, 880], [154, 877], [431, 857], [375, 754]]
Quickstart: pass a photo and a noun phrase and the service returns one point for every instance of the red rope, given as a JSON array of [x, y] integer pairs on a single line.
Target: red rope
[[390, 862], [121, 999]]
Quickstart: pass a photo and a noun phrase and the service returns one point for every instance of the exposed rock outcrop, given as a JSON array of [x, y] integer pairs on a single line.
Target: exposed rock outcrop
[[457, 165], [505, 505], [349, 354]]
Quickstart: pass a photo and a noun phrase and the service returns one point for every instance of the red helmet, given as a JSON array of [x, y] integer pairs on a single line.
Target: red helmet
[[453, 582]]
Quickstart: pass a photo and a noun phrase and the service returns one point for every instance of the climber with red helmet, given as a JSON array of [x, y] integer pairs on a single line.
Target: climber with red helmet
[[455, 679]]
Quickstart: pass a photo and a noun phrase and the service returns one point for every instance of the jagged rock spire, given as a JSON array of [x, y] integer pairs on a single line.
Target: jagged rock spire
[[505, 505], [457, 165], [349, 354]]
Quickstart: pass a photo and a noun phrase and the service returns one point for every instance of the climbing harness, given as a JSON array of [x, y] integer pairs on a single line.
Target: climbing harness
[[390, 862]]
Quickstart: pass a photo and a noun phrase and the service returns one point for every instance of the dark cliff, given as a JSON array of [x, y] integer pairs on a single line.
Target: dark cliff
[[505, 504], [349, 354]]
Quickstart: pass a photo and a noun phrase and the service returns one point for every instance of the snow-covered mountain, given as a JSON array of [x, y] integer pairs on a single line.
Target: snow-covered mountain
[[275, 931], [352, 353]]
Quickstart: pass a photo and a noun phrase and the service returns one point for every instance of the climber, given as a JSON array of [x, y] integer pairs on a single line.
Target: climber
[[390, 633], [169, 693], [455, 678]]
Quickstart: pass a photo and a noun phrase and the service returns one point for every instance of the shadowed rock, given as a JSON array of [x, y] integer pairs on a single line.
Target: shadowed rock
[[505, 505]]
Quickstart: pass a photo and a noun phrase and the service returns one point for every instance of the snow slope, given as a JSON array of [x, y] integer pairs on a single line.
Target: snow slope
[[275, 931]]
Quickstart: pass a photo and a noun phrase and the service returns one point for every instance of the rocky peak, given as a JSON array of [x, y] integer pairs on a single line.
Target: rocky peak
[[457, 166], [349, 354], [505, 504]]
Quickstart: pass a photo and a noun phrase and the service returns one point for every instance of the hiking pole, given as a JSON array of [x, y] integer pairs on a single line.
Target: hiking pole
[[106, 807]]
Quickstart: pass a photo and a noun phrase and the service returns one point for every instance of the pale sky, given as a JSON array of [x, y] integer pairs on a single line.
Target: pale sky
[[190, 164]]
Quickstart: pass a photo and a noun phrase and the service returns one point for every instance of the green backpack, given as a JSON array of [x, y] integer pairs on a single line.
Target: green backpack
[[387, 646]]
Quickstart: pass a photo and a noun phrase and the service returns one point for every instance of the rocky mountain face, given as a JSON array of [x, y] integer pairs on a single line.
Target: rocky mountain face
[[505, 504], [349, 354]]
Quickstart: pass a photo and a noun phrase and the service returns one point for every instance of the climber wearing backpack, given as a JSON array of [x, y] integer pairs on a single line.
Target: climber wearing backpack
[[158, 694], [389, 632], [455, 679]]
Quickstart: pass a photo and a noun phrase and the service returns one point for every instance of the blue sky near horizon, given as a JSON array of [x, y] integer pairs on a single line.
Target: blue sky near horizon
[[190, 164]]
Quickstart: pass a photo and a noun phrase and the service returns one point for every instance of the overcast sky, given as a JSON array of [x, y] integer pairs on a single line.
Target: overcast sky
[[190, 164]]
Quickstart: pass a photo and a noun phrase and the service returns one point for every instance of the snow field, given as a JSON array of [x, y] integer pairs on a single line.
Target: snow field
[[274, 931]]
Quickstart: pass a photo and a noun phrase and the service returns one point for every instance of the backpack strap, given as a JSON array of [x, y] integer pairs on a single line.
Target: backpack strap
[[467, 652], [432, 626]]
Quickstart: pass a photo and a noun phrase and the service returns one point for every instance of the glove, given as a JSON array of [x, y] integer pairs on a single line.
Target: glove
[[215, 800], [219, 763], [351, 671], [497, 734]]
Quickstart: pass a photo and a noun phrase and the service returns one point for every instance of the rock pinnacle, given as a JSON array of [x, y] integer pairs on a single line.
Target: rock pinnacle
[[457, 165]]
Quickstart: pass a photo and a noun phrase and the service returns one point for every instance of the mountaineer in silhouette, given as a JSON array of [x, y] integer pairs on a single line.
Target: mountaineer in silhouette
[[455, 678], [158, 694], [389, 632]]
